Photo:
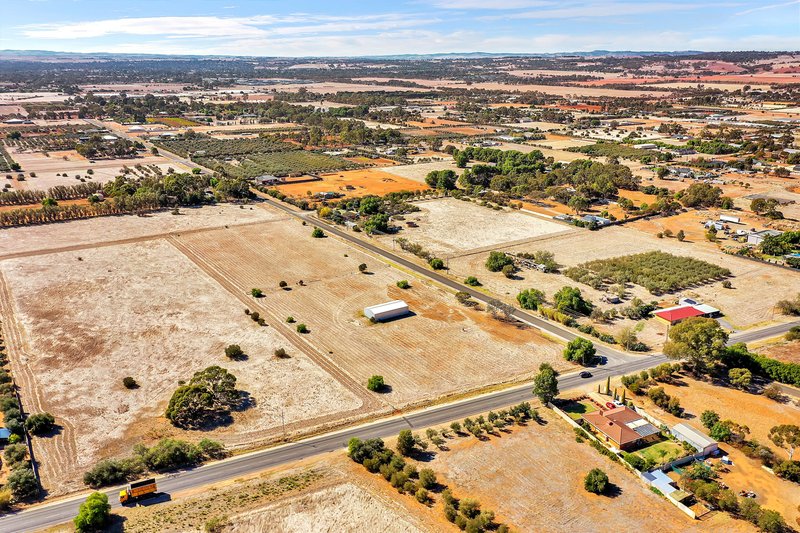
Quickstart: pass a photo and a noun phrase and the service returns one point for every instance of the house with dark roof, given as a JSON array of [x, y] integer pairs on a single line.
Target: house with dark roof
[[623, 428]]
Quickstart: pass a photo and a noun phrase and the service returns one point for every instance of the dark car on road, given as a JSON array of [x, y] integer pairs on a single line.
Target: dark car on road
[[586, 374]]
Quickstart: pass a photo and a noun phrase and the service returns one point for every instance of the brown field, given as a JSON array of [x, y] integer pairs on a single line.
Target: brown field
[[418, 171], [327, 493], [33, 240], [755, 411], [451, 227], [463, 130], [123, 311], [104, 170], [423, 356], [533, 479], [783, 350], [354, 183], [741, 310]]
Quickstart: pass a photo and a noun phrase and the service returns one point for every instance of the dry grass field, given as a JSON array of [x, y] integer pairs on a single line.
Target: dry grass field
[[71, 163], [783, 350], [354, 183], [81, 321], [418, 171], [738, 304], [344, 507], [33, 240], [451, 227], [533, 479], [423, 356], [756, 412]]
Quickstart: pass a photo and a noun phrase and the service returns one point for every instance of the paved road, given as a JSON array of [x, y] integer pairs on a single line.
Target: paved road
[[619, 363], [553, 328]]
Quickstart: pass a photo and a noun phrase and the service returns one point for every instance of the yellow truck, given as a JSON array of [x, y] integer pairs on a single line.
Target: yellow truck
[[137, 490]]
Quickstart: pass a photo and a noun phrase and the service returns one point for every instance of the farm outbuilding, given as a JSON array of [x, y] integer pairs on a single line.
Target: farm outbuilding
[[386, 311], [703, 444]]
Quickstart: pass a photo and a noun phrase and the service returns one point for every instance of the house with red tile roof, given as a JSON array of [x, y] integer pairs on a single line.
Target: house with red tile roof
[[623, 428]]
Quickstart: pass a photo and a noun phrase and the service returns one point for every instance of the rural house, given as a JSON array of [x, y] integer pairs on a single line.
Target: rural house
[[622, 427]]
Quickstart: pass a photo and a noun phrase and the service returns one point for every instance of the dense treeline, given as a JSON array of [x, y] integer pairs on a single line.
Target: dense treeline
[[737, 356], [59, 192], [533, 175]]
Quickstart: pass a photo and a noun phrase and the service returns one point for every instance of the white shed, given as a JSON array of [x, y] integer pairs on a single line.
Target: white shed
[[386, 311], [704, 444]]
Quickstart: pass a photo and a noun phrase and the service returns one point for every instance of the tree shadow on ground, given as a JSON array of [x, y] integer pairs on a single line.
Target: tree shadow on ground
[[612, 490]]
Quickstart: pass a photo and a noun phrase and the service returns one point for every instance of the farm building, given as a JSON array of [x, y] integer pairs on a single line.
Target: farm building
[[624, 428], [706, 309], [673, 315], [757, 237], [703, 444], [386, 311], [729, 218]]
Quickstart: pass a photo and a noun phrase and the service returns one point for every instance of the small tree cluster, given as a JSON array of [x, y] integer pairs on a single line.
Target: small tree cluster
[[376, 384], [670, 404]]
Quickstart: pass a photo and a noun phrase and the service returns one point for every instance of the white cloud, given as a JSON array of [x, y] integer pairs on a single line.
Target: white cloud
[[607, 9], [491, 4], [770, 6], [221, 27]]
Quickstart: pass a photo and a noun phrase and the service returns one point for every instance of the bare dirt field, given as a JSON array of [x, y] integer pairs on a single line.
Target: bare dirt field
[[448, 226], [335, 508], [533, 478], [425, 355], [72, 164], [783, 350], [143, 310], [354, 183], [96, 231], [755, 411], [418, 171], [737, 304]]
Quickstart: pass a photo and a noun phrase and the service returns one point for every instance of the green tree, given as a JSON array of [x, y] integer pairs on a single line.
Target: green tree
[[234, 351], [571, 299], [209, 396], [709, 419], [40, 423], [740, 377], [403, 284], [441, 179], [699, 341], [375, 383], [545, 384], [23, 484], [681, 235], [579, 203], [497, 260], [256, 293], [93, 514], [786, 436], [427, 478], [771, 521], [405, 442], [472, 281], [580, 350], [362, 267], [595, 481], [436, 263], [317, 233], [530, 298]]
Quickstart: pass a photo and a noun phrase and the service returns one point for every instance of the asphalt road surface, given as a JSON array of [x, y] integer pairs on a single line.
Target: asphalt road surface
[[61, 511]]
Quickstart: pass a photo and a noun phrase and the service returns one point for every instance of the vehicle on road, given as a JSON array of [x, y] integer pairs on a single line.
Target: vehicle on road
[[137, 490], [586, 374]]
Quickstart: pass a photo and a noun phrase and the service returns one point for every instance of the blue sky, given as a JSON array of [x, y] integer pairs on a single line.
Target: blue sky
[[346, 28]]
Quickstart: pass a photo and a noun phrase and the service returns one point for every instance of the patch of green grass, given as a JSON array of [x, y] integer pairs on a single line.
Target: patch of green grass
[[576, 409], [662, 452]]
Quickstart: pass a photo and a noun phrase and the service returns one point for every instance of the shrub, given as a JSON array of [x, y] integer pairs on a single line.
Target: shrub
[[317, 233], [256, 293], [290, 320], [40, 423], [302, 328], [773, 392], [113, 472], [129, 383], [421, 495], [280, 353], [169, 454], [427, 478], [472, 281], [403, 284], [375, 383], [436, 263], [595, 481], [14, 454], [6, 497], [362, 267], [497, 260], [234, 351], [282, 284], [530, 298], [211, 449], [93, 514], [23, 484], [209, 396], [634, 460]]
